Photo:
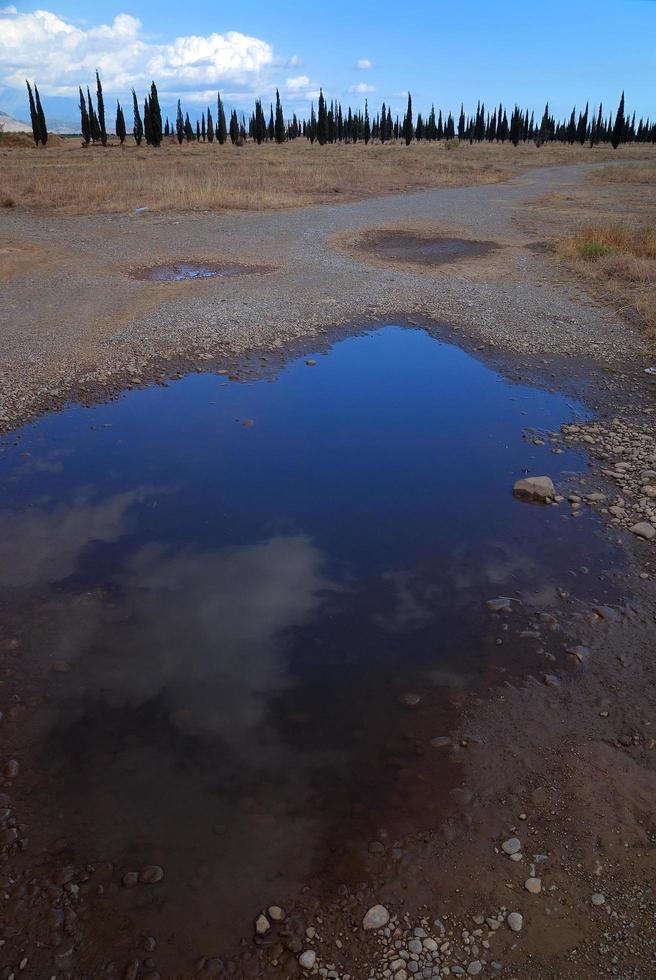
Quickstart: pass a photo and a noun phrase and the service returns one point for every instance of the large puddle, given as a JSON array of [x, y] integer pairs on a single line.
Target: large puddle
[[185, 271], [405, 246], [223, 593]]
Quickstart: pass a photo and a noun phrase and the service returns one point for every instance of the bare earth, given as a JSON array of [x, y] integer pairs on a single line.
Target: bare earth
[[563, 760]]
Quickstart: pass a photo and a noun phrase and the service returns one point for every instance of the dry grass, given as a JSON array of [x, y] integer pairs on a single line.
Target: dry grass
[[621, 258], [67, 177]]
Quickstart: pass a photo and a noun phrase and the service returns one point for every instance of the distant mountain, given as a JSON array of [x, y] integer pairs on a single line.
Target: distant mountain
[[9, 124]]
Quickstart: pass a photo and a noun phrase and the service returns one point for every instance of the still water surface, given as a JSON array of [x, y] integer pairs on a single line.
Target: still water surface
[[223, 589]]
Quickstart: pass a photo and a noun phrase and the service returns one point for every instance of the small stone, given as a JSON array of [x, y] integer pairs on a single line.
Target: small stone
[[515, 921], [643, 530], [415, 946], [598, 899], [10, 770], [262, 925], [276, 913], [441, 742], [533, 885], [150, 874], [474, 968], [512, 845], [307, 959], [536, 488], [502, 604], [409, 699], [376, 918], [310, 362], [130, 879]]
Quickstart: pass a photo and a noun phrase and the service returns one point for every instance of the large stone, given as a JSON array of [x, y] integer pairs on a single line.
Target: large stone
[[536, 488], [307, 959], [515, 921], [376, 917], [644, 530]]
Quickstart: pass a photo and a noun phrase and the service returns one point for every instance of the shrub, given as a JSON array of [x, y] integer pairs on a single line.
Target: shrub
[[593, 250]]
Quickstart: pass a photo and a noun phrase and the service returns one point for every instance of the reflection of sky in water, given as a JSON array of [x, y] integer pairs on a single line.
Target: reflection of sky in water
[[231, 612]]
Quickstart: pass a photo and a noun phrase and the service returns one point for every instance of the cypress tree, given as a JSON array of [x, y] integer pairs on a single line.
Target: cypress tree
[[120, 123], [322, 120], [271, 128], [234, 128], [41, 118], [34, 119], [210, 126], [618, 128], [137, 129], [461, 123], [408, 128], [197, 131], [85, 125], [101, 111], [155, 117], [367, 126], [146, 122], [179, 124], [383, 123], [280, 120], [221, 133], [93, 119], [188, 131]]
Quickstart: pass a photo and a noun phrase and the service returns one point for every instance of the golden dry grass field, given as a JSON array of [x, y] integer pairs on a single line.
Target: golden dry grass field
[[66, 177]]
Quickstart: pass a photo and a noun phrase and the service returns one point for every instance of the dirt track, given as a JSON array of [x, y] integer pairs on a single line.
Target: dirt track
[[73, 315]]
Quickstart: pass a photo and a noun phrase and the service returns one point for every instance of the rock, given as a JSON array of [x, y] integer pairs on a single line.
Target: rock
[[150, 874], [533, 885], [535, 488], [130, 879], [10, 770], [598, 899], [262, 925], [643, 530], [441, 742], [474, 968], [409, 699], [310, 362], [502, 604], [307, 959], [376, 918], [512, 845], [414, 946], [515, 921], [579, 653], [276, 913], [649, 491]]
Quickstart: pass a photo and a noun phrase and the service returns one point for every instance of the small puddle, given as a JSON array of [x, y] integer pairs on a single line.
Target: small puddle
[[243, 610], [407, 247], [182, 271]]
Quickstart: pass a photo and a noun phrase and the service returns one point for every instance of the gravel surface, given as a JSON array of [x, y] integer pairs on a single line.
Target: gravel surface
[[74, 316]]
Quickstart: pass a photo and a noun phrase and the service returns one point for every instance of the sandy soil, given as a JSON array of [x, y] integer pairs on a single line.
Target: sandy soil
[[562, 758]]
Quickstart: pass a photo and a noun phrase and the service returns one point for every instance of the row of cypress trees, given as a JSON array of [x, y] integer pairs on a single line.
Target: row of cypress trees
[[329, 124]]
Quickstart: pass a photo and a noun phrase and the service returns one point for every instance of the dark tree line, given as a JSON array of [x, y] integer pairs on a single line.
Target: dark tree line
[[331, 124]]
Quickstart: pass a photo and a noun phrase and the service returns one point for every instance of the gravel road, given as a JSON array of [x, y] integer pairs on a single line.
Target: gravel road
[[73, 316]]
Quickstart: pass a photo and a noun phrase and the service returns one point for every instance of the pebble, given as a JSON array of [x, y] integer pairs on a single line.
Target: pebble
[[515, 921], [643, 530], [512, 845], [307, 959], [376, 918], [533, 885], [276, 913], [262, 925], [536, 488], [150, 874], [598, 899], [474, 968]]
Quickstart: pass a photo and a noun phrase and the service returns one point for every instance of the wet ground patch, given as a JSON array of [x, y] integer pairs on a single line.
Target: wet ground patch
[[241, 612], [411, 247], [191, 271]]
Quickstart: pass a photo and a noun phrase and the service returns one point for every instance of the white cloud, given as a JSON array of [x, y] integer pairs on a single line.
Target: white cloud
[[294, 84], [60, 56], [10, 10], [363, 64], [362, 88]]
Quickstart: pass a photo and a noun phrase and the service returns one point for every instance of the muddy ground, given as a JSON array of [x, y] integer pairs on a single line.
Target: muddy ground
[[557, 763]]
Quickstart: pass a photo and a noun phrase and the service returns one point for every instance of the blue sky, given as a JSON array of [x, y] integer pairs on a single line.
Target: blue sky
[[567, 52]]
